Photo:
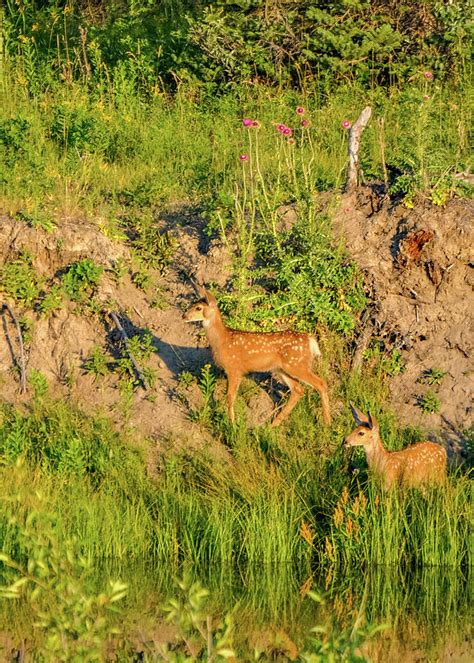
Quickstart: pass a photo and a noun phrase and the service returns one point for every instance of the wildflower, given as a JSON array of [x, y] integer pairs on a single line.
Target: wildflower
[[281, 128], [247, 122], [255, 123], [305, 123], [286, 131], [291, 141], [426, 97], [428, 75], [300, 110], [345, 124], [244, 157]]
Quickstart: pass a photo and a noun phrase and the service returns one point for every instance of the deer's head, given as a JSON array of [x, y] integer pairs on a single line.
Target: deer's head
[[204, 310], [367, 432]]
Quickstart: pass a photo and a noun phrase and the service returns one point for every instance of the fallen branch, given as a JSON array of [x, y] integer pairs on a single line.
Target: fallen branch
[[8, 308], [126, 341], [355, 133]]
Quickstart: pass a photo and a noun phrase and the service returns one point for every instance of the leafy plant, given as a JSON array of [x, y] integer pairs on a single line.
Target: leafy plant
[[19, 280], [39, 383], [80, 279], [429, 402], [76, 625], [432, 376], [97, 362], [334, 644], [187, 611], [207, 385], [140, 345], [51, 300]]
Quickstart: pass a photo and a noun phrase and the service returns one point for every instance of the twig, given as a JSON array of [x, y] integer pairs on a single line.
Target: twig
[[355, 133], [126, 340], [22, 349]]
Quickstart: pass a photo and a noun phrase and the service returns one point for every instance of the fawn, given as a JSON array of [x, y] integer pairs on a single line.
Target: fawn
[[287, 354], [420, 464]]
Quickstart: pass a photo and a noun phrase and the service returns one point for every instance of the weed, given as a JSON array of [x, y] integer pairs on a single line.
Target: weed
[[97, 363], [26, 327], [76, 625], [19, 280], [140, 345], [207, 385], [81, 279], [119, 269], [432, 376], [429, 402], [51, 300], [389, 363], [38, 382]]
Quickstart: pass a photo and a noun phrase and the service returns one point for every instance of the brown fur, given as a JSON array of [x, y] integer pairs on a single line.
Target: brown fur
[[288, 354], [420, 464]]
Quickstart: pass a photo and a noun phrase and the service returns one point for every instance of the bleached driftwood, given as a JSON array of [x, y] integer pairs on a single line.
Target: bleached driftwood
[[355, 133]]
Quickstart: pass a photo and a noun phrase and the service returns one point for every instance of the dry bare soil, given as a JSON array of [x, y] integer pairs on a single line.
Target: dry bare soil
[[418, 266]]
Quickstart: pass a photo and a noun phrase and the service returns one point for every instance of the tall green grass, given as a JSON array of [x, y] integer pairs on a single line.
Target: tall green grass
[[275, 501]]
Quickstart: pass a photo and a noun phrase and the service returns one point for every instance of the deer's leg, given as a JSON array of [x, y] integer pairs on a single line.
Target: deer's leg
[[306, 375], [233, 382], [296, 392]]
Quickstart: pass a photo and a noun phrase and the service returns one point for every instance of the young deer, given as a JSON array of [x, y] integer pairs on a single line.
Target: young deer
[[420, 464], [287, 354]]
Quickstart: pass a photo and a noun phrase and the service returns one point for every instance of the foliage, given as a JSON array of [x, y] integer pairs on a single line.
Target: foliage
[[81, 279], [218, 43], [77, 625], [330, 644], [432, 376], [187, 610], [140, 345], [429, 401], [97, 363], [19, 280], [38, 382]]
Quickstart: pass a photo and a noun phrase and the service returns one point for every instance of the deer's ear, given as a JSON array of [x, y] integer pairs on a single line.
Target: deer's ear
[[209, 297], [201, 291], [359, 417], [373, 423]]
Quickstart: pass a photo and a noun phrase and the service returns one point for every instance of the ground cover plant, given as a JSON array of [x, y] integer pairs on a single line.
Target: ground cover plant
[[240, 116]]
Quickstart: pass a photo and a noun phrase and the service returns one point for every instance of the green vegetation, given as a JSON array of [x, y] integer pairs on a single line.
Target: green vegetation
[[429, 401], [126, 113]]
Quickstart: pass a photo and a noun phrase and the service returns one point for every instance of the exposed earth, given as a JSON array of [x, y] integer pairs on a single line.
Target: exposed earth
[[418, 266]]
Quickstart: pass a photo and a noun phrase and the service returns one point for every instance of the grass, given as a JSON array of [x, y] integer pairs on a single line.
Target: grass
[[292, 496], [276, 502]]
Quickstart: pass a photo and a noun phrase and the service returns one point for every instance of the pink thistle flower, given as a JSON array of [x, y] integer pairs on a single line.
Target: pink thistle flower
[[305, 123], [300, 110], [244, 157], [247, 122], [286, 131], [281, 128], [346, 124], [255, 123], [428, 75]]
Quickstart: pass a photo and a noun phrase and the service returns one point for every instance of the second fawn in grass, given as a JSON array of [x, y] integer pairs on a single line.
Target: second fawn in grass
[[418, 465], [287, 354]]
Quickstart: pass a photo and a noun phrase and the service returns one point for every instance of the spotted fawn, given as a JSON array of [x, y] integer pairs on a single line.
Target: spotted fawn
[[289, 355], [418, 465]]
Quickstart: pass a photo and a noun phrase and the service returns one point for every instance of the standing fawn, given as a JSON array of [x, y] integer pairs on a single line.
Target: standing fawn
[[287, 354], [417, 465]]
